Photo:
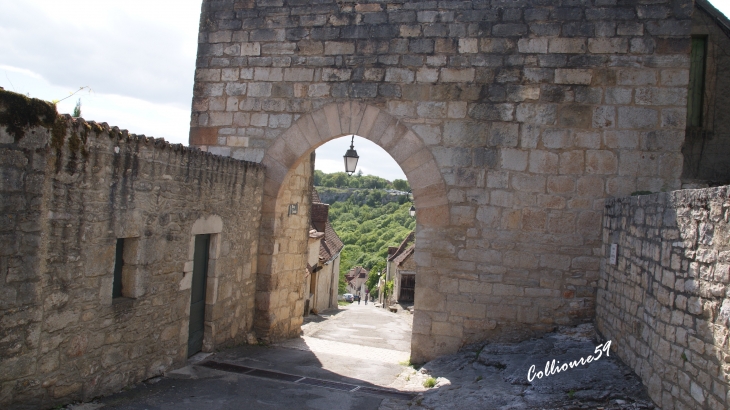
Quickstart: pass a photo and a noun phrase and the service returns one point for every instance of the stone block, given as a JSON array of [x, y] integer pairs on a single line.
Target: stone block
[[660, 96], [514, 159], [251, 49], [543, 162], [618, 95], [298, 74], [567, 45], [338, 48], [557, 138], [259, 89], [573, 76], [203, 74], [533, 45], [608, 45], [674, 77], [468, 45], [456, 75], [604, 117], [534, 219], [590, 186], [572, 162], [637, 77], [427, 75], [538, 114], [637, 118], [399, 75], [528, 183], [575, 116], [336, 74]]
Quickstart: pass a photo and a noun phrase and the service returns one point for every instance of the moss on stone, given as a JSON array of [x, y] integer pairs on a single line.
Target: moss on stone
[[18, 112]]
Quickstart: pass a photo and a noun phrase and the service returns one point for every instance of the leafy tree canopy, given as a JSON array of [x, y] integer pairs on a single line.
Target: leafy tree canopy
[[368, 223], [342, 180]]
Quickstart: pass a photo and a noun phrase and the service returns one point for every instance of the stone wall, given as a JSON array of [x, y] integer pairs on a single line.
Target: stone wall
[[665, 303], [707, 148], [69, 190], [281, 288], [512, 120]]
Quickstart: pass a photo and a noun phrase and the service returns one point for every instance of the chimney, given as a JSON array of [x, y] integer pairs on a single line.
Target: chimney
[[320, 213]]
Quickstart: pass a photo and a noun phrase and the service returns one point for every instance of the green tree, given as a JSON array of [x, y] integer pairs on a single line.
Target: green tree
[[77, 109], [401, 185]]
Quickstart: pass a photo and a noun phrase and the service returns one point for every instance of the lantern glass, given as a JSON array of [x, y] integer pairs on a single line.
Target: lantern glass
[[412, 211], [350, 161]]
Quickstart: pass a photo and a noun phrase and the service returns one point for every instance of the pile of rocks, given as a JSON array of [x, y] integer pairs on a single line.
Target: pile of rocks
[[496, 375]]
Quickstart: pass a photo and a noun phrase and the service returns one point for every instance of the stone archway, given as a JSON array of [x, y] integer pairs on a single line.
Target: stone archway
[[283, 234]]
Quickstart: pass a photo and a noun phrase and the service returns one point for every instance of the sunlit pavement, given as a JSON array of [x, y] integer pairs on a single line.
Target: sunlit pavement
[[358, 346]]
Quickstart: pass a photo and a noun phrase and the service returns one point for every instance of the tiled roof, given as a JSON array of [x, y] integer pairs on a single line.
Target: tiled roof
[[720, 19], [332, 244], [404, 255], [356, 272], [403, 246]]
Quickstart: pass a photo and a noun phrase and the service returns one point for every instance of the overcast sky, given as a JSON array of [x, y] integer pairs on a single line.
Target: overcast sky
[[138, 59]]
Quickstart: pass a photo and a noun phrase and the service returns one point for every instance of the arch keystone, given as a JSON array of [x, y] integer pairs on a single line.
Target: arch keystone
[[344, 112], [357, 111]]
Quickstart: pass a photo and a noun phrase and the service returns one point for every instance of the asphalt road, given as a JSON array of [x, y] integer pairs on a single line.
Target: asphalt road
[[356, 351]]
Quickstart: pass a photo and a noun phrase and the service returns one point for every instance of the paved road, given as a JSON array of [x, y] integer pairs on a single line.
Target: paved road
[[358, 347]]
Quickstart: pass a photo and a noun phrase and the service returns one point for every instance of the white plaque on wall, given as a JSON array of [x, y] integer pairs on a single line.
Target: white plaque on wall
[[614, 254]]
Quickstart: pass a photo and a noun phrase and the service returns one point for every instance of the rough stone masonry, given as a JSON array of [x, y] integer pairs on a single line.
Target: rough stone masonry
[[512, 120], [69, 190], [665, 301]]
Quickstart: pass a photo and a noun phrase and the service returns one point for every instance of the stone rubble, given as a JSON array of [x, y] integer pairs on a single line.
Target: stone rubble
[[494, 376]]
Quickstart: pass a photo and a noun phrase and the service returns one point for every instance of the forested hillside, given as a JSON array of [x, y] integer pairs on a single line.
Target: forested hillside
[[368, 221]]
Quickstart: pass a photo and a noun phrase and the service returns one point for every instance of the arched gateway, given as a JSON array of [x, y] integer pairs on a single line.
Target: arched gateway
[[511, 119], [283, 235]]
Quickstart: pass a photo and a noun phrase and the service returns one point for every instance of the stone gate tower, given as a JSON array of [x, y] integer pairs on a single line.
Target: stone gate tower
[[512, 120]]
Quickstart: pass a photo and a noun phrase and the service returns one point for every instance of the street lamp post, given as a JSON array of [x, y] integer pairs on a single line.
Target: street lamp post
[[351, 158]]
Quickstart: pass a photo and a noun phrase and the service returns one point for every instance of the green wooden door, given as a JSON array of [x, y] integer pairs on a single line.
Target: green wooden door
[[197, 297]]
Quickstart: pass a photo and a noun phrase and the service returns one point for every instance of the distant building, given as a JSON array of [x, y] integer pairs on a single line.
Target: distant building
[[401, 269], [323, 262], [356, 279]]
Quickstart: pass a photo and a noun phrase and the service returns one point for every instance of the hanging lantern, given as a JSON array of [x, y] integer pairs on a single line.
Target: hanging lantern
[[351, 158], [412, 211]]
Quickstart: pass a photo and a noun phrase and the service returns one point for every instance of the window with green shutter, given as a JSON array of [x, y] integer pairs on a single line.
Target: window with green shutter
[[696, 81]]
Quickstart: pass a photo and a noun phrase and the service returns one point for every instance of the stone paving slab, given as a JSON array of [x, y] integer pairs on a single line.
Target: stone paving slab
[[315, 345]]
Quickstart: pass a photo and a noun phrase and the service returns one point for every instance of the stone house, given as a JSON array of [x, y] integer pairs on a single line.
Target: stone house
[[323, 265], [356, 278], [401, 269], [705, 150]]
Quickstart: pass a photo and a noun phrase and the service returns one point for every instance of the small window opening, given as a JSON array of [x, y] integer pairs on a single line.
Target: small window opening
[[127, 280], [698, 57], [118, 265]]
